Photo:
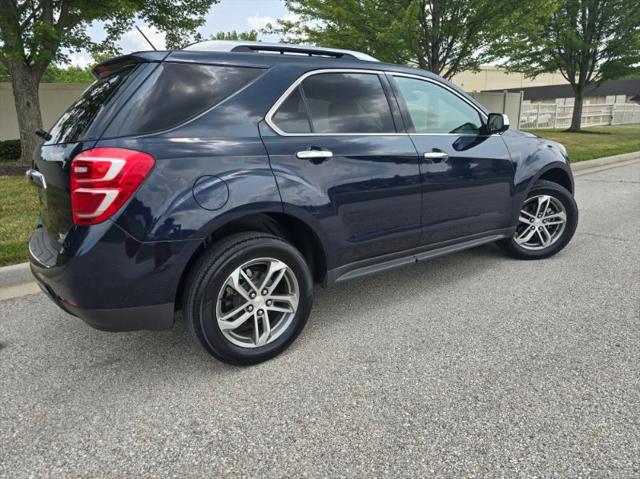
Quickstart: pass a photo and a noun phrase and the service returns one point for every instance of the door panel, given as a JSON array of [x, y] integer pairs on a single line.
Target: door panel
[[467, 193], [336, 154], [467, 174], [366, 197]]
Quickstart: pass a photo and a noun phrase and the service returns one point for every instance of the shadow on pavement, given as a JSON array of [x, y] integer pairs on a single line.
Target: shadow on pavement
[[76, 345]]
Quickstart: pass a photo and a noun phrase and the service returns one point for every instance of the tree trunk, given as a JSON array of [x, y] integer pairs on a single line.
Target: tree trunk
[[25, 83], [576, 119]]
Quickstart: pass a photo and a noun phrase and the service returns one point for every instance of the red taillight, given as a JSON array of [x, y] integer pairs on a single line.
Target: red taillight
[[103, 179]]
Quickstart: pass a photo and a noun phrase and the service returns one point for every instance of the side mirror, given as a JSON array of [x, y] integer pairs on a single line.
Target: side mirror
[[497, 123]]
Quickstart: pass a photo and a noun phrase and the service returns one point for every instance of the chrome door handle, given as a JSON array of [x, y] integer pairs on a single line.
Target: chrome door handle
[[314, 155], [436, 156]]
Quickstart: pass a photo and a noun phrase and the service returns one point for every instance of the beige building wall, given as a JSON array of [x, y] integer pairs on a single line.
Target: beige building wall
[[55, 98], [491, 77]]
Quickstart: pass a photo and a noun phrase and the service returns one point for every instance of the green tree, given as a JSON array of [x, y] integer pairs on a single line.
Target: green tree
[[588, 41], [251, 36], [57, 74], [70, 74], [443, 36], [34, 33]]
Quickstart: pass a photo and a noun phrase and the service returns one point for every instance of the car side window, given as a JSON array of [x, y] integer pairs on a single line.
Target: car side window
[[176, 92], [292, 116], [337, 103], [435, 110]]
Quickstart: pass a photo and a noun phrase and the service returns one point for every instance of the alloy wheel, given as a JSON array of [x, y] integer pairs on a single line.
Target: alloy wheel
[[541, 222], [257, 302]]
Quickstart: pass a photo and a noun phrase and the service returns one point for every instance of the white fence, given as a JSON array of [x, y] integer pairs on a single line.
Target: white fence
[[551, 115], [502, 102]]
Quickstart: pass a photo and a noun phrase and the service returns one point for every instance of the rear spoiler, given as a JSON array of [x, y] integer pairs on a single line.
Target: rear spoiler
[[109, 67]]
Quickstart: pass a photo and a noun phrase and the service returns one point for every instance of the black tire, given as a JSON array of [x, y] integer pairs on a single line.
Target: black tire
[[542, 187], [208, 276]]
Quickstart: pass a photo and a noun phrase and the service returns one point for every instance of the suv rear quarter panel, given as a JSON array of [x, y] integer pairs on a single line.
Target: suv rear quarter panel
[[223, 142]]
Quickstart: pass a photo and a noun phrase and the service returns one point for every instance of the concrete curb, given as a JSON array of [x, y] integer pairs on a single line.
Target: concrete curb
[[20, 274], [14, 275], [605, 161]]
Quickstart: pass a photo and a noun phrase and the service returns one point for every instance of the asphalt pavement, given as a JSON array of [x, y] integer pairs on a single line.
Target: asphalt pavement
[[471, 365]]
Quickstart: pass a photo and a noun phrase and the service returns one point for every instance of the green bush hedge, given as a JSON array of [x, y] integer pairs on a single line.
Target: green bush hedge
[[10, 150]]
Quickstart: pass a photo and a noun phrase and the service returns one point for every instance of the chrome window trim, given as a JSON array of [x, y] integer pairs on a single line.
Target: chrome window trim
[[272, 111]]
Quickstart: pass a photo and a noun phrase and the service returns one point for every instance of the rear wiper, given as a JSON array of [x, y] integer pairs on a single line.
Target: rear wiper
[[43, 134]]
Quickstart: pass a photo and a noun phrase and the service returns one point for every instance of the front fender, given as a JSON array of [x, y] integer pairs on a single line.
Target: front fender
[[533, 157]]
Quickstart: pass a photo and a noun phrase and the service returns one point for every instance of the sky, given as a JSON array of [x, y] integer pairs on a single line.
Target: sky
[[227, 15]]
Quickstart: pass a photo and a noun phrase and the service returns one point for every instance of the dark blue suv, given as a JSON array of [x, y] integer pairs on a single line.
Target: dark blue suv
[[227, 179]]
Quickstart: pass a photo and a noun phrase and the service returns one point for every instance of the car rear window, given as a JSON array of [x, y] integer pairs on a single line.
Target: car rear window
[[74, 124], [176, 92]]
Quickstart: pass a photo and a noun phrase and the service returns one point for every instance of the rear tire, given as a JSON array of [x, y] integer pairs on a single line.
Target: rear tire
[[248, 297], [547, 221]]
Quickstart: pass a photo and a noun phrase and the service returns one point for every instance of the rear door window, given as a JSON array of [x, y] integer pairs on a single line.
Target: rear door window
[[292, 115], [176, 92], [351, 103]]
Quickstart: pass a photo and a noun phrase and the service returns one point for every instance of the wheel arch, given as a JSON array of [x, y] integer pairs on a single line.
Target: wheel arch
[[285, 225], [557, 173]]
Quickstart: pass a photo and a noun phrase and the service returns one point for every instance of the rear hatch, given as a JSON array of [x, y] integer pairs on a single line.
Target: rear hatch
[[77, 130]]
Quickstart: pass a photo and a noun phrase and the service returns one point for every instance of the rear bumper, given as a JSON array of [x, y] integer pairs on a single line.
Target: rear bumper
[[113, 282], [153, 317]]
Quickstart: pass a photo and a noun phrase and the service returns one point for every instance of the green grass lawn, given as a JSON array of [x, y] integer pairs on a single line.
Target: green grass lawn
[[18, 199], [18, 215], [604, 141]]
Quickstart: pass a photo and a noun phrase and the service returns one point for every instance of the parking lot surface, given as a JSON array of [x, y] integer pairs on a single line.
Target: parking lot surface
[[469, 365]]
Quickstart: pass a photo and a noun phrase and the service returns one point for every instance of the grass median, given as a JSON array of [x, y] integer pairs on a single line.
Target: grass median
[[596, 142], [19, 210], [18, 215]]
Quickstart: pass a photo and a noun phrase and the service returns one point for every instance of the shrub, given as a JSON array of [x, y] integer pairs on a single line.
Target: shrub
[[10, 150]]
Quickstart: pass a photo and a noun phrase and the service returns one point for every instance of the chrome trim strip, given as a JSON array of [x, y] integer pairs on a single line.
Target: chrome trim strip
[[36, 178], [272, 111]]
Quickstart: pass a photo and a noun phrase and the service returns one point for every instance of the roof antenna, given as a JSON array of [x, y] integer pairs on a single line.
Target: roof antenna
[[145, 37]]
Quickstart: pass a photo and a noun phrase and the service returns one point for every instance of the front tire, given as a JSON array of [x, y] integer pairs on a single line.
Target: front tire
[[248, 297], [546, 223]]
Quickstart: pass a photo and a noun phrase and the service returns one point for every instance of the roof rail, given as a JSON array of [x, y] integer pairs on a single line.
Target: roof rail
[[282, 48]]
